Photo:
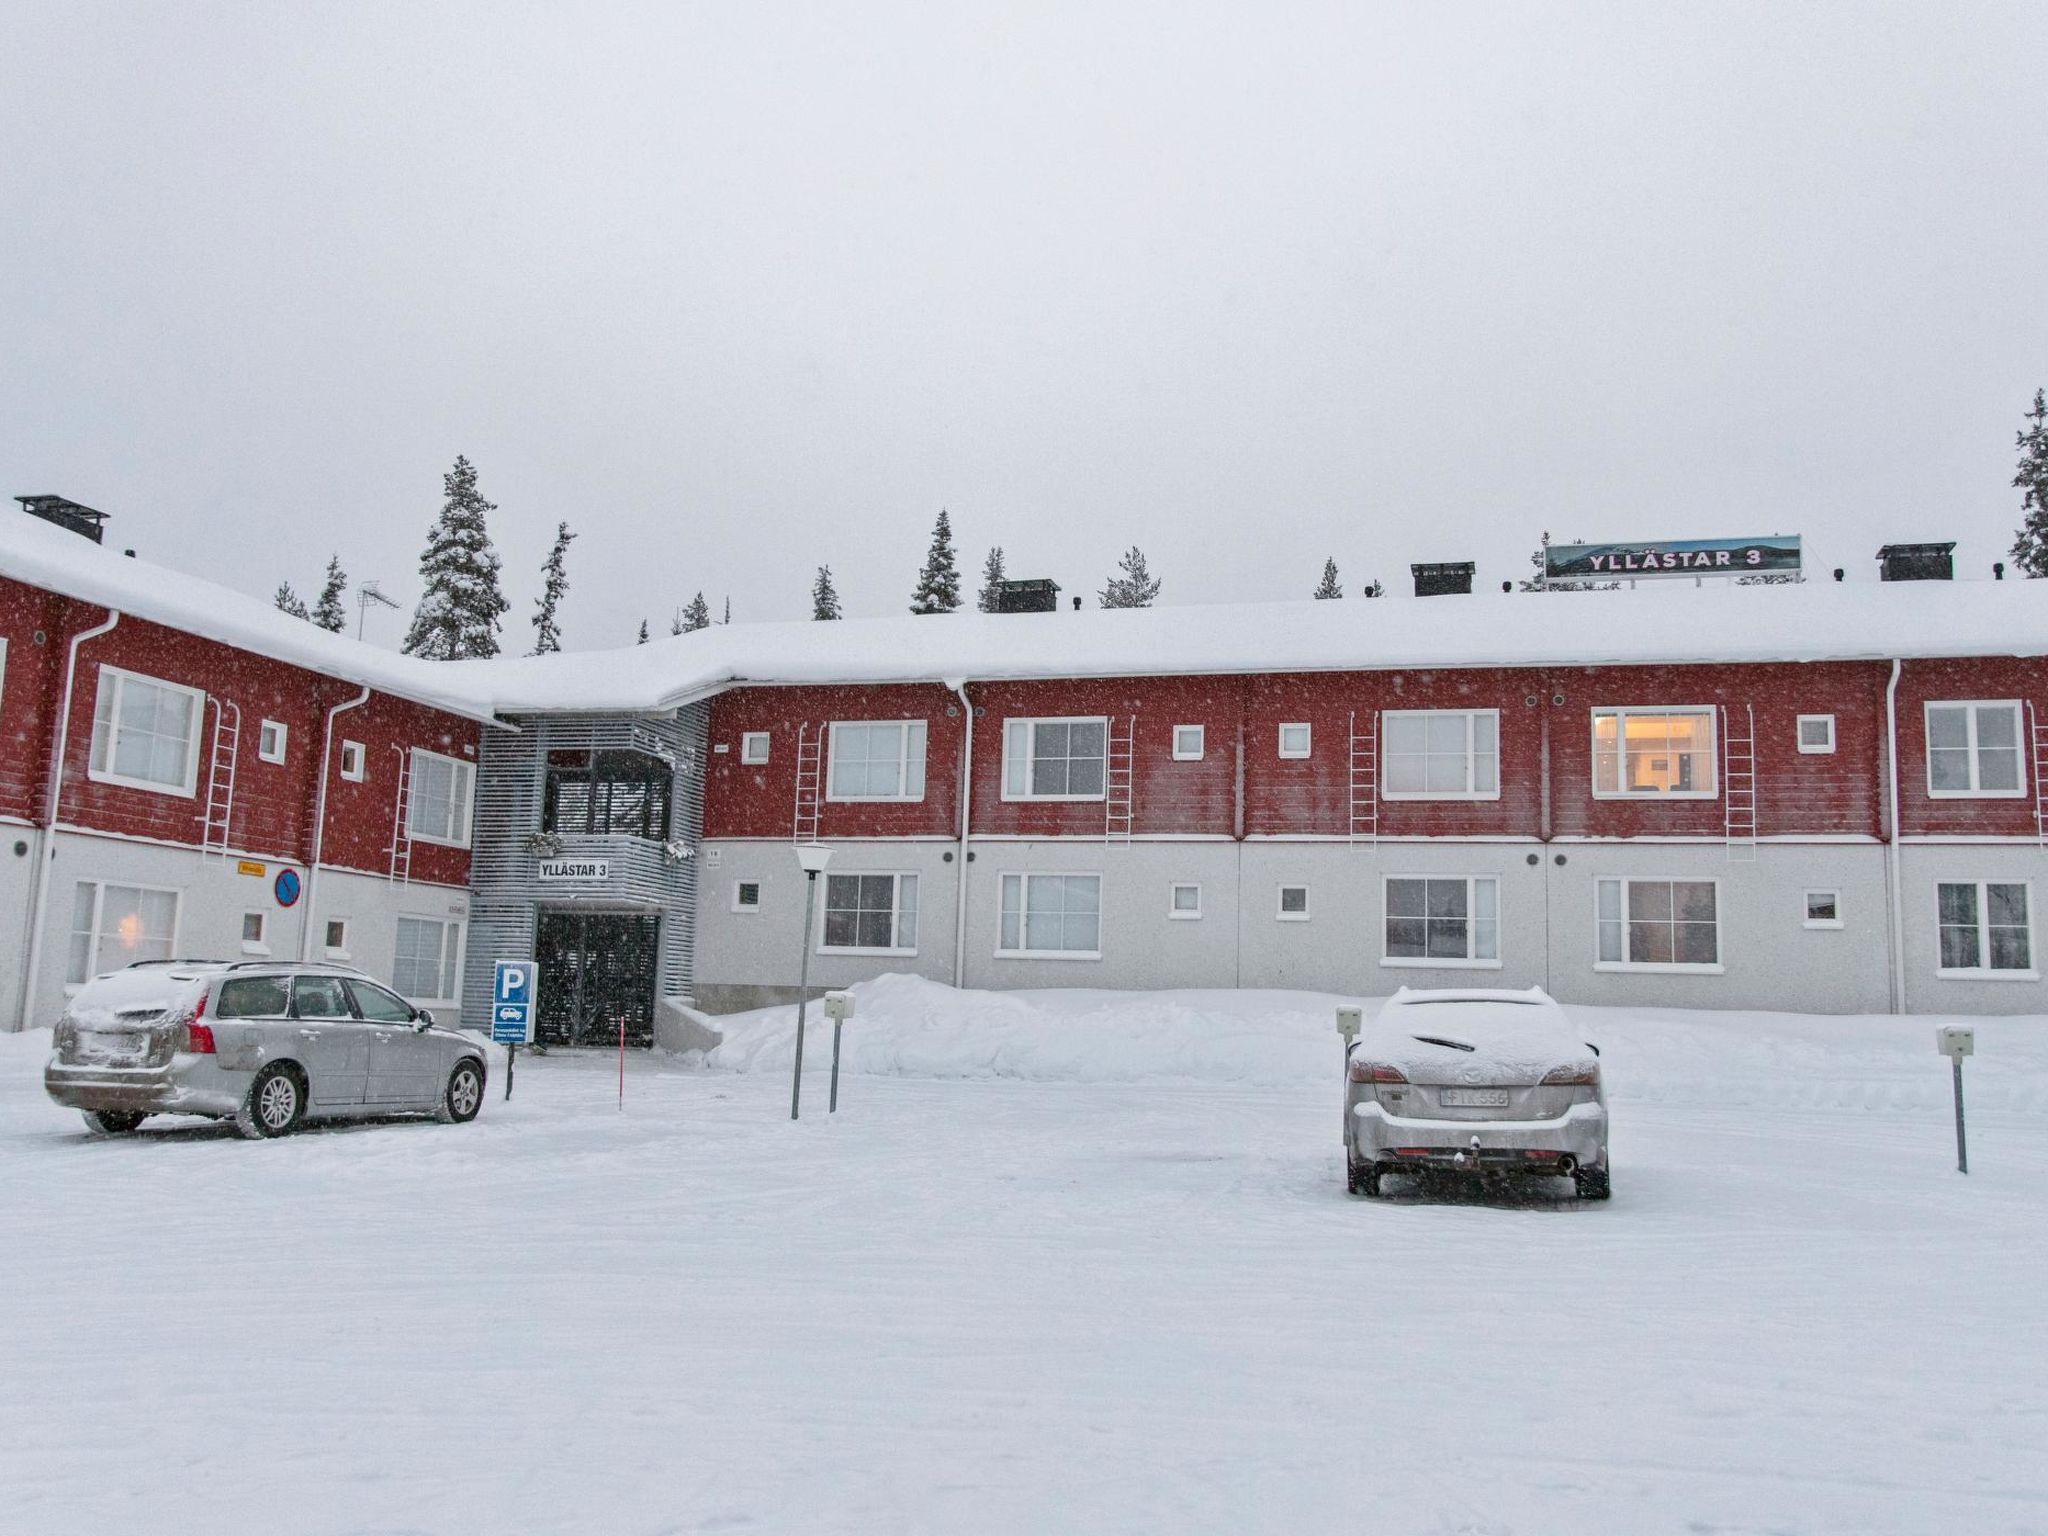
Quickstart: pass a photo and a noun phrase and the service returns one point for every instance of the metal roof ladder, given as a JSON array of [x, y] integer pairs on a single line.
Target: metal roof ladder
[[401, 812], [220, 778], [1365, 777], [2039, 733], [1119, 782], [1738, 782], [810, 782]]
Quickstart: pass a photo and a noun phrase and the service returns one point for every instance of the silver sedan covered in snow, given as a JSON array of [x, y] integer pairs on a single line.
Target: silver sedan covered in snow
[[1475, 1082]]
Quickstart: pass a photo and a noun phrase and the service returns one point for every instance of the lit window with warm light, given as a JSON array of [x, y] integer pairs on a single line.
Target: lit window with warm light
[[1653, 754]]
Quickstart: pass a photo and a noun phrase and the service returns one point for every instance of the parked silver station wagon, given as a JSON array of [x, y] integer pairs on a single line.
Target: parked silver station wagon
[[265, 1045]]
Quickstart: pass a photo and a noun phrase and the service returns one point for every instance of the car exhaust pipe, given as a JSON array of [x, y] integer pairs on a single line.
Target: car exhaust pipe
[[1567, 1163]]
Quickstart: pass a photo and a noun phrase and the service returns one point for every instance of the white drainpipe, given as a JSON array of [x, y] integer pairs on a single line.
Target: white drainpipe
[[320, 824], [1894, 895], [959, 687], [46, 844]]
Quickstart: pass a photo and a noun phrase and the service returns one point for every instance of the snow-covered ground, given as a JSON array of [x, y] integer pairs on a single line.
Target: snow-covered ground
[[1063, 1262]]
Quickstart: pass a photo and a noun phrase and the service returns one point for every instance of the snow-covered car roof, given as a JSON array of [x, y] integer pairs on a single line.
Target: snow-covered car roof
[[1420, 1031], [140, 989]]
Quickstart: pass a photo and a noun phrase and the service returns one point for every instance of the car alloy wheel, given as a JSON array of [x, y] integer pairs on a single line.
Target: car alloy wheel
[[465, 1094], [276, 1103]]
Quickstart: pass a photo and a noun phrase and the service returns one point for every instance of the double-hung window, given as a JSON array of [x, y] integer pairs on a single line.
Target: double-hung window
[[1058, 916], [145, 733], [1653, 754], [1986, 929], [1438, 920], [876, 760], [1440, 754], [1063, 759], [870, 914], [424, 966], [437, 801], [1973, 750], [117, 925], [1662, 925]]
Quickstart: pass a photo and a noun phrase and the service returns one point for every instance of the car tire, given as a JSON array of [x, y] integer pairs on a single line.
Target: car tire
[[1364, 1180], [464, 1095], [276, 1104], [1593, 1183], [113, 1122]]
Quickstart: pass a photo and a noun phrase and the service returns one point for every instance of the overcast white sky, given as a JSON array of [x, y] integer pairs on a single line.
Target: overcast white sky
[[739, 289]]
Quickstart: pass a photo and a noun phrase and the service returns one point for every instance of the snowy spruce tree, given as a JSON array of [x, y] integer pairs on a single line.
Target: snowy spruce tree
[[938, 584], [728, 609], [290, 602], [643, 633], [327, 611], [554, 573], [1373, 588], [992, 580], [458, 613], [824, 596], [1135, 588], [2030, 548], [696, 615], [1329, 587]]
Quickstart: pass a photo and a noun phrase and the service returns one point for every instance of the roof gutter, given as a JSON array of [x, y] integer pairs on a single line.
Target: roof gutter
[[1893, 894], [46, 849], [320, 822]]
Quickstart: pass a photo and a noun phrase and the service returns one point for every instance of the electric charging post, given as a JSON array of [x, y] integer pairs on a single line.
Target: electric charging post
[[838, 1008], [1350, 1019], [1955, 1041]]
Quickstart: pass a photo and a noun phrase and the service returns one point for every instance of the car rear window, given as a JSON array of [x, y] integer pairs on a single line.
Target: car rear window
[[252, 997]]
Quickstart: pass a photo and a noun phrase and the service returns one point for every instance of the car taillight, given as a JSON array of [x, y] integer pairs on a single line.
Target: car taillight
[[1375, 1072], [1582, 1075], [196, 1039]]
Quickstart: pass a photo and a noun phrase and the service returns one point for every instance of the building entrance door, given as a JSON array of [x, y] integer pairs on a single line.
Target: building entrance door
[[596, 969]]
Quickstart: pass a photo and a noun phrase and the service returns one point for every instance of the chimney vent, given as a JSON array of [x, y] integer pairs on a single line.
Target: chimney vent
[[65, 513], [1917, 562], [1442, 579], [1028, 597]]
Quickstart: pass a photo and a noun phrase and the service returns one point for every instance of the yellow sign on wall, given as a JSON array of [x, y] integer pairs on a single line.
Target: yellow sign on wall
[[251, 867]]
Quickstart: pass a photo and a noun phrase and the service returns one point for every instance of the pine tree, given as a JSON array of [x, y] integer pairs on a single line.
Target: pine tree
[[643, 633], [728, 609], [554, 572], [1135, 588], [992, 579], [675, 622], [1541, 582], [328, 612], [696, 615], [458, 613], [1329, 588], [938, 584], [290, 602], [1372, 589], [824, 596], [2030, 548]]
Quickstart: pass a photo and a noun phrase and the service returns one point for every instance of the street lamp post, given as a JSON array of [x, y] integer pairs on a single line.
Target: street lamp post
[[812, 859]]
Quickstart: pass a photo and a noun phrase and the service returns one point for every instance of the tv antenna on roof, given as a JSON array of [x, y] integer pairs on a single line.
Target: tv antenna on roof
[[369, 592]]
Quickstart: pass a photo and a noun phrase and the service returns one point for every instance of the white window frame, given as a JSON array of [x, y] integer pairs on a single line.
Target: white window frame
[[754, 748], [265, 751], [99, 907], [260, 945], [119, 678], [1622, 713], [1984, 971], [1806, 917], [361, 754], [451, 957], [2019, 747], [1030, 725], [1428, 962], [1280, 912], [1471, 755], [1308, 740], [760, 896], [461, 803], [897, 877], [1719, 966], [1193, 914], [334, 951], [1192, 754], [904, 729], [1826, 748], [1025, 877]]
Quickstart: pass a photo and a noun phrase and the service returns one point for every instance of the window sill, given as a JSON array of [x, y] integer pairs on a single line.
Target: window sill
[[1048, 954], [1654, 795], [1837, 924], [251, 947], [1976, 794], [1399, 795], [1010, 799], [353, 778], [1402, 962], [1987, 975], [277, 761], [1292, 917], [832, 799], [437, 842], [746, 911], [336, 954], [1187, 757], [828, 949], [1185, 917], [1647, 968], [148, 786]]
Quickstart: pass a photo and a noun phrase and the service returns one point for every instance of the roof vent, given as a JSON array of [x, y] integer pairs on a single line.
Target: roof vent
[[65, 513], [1039, 596], [1917, 562], [1442, 580]]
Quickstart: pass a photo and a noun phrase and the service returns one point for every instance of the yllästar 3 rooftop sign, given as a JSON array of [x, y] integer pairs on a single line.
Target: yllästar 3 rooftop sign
[[1775, 556]]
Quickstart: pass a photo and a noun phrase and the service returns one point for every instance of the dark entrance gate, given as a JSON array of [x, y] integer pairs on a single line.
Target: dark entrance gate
[[597, 968]]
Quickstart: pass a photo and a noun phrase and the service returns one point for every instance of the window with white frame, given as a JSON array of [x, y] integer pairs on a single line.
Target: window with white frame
[[1973, 750], [1986, 929], [352, 760], [1440, 754], [1294, 739], [1058, 916], [1185, 902], [3, 669], [116, 925], [145, 733], [870, 914], [1823, 909], [1188, 743], [1658, 925], [746, 895], [425, 963], [1816, 733], [270, 741], [1442, 920], [876, 760], [754, 747], [437, 804], [255, 925], [1293, 904], [1055, 759], [1653, 754]]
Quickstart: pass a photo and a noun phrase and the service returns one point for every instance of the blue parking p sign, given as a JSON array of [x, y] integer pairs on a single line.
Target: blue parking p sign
[[513, 985]]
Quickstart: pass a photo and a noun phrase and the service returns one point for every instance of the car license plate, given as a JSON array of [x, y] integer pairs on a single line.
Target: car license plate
[[1473, 1098]]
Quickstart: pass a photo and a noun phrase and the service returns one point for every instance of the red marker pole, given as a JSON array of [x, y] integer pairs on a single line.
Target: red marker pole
[[622, 1061]]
